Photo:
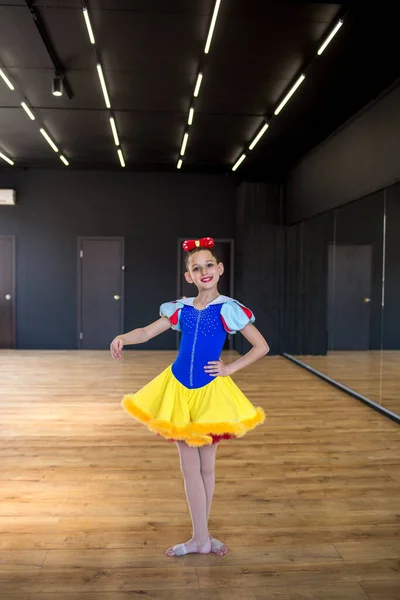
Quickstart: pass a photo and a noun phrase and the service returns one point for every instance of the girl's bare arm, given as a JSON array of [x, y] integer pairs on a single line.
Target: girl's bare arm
[[138, 336]]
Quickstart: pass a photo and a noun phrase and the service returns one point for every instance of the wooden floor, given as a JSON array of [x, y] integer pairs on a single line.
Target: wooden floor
[[308, 503], [374, 374]]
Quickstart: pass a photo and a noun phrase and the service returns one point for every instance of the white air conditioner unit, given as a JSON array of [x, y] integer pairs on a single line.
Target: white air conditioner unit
[[7, 197]]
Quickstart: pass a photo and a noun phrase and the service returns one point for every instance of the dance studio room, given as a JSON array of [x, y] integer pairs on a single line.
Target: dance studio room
[[199, 300]]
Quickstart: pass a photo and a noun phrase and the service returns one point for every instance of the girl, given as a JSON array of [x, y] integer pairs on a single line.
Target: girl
[[194, 402]]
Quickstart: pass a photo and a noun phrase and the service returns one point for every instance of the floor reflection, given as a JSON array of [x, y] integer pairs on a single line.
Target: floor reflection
[[374, 374]]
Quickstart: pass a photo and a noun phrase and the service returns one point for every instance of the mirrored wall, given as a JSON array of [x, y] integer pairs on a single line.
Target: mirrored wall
[[343, 286]]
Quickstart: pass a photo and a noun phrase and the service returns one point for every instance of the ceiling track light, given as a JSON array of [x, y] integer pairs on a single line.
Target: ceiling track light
[[6, 80], [178, 166], [289, 94], [121, 157], [57, 85], [88, 25], [114, 130], [238, 162], [48, 139], [28, 111], [330, 36], [8, 160], [198, 84], [258, 136], [190, 117], [103, 85], [64, 160], [184, 142], [212, 25]]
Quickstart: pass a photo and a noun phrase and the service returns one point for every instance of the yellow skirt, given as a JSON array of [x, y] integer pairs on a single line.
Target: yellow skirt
[[197, 416]]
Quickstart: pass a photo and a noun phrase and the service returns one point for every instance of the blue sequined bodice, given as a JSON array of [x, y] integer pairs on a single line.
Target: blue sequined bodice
[[203, 337]]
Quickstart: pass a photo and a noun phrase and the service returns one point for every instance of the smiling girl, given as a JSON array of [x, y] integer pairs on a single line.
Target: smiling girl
[[194, 402]]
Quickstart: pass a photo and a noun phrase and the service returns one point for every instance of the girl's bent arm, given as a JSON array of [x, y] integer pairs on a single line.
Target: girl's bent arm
[[259, 349]]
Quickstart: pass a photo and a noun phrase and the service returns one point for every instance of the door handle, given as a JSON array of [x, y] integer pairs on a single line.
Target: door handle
[[116, 297], [7, 296], [366, 300]]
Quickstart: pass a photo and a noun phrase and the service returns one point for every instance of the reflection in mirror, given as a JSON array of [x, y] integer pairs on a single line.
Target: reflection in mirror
[[352, 300]]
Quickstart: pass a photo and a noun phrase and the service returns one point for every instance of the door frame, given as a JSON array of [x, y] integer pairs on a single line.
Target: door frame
[[13, 288], [80, 239], [179, 276]]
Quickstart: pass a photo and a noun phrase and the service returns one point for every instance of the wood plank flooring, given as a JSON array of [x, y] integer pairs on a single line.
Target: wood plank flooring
[[373, 373], [308, 503]]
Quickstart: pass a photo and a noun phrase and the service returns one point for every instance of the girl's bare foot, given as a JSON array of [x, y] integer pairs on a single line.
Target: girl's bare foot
[[190, 547], [218, 547]]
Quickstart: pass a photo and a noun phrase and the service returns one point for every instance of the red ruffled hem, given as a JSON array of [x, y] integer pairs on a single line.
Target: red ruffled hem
[[215, 438]]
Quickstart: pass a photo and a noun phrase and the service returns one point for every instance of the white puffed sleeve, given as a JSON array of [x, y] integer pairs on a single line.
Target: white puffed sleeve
[[172, 310], [235, 316]]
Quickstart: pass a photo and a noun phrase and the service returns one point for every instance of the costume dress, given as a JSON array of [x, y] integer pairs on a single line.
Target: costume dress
[[186, 403]]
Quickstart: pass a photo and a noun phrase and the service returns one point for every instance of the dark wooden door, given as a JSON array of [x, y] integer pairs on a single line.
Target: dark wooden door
[[7, 291], [349, 297], [100, 291]]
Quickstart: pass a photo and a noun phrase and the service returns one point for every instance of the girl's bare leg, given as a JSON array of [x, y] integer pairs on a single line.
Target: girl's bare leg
[[207, 469], [196, 497]]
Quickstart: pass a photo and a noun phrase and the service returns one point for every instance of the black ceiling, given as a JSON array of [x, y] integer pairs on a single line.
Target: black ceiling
[[151, 51]]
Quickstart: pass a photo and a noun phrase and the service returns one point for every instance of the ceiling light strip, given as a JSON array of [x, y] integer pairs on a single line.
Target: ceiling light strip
[[291, 92], [184, 143], [30, 114], [28, 111], [238, 162], [114, 131], [88, 25], [48, 139], [103, 85], [64, 160], [121, 157], [8, 160], [6, 80], [199, 80], [212, 25], [258, 136], [330, 36]]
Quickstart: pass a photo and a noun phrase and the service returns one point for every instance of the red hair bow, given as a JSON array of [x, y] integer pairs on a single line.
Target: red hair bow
[[205, 242]]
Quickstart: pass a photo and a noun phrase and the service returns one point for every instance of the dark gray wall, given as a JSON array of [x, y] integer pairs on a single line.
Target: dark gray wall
[[260, 260], [360, 158], [151, 211]]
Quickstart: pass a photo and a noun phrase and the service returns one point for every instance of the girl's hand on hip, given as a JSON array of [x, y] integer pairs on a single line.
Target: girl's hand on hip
[[116, 347], [217, 368]]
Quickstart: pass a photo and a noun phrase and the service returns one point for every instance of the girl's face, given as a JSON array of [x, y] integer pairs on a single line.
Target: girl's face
[[203, 270]]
